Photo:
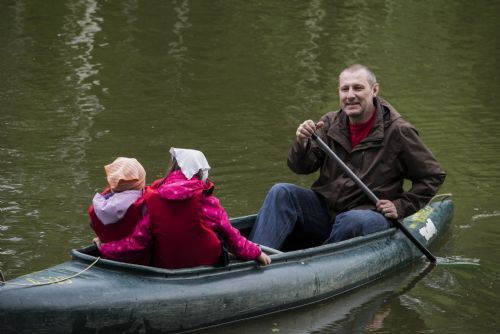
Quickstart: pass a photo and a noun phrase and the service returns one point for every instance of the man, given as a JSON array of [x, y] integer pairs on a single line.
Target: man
[[377, 144]]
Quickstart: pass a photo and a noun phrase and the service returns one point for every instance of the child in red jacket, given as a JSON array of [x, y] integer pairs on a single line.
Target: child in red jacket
[[115, 212]]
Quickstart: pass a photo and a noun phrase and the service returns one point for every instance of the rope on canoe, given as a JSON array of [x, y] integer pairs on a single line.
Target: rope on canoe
[[2, 281], [440, 197]]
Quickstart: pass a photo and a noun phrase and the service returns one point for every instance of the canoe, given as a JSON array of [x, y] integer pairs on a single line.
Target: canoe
[[90, 294]]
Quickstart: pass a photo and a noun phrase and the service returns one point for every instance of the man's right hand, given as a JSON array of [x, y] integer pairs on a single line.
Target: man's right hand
[[306, 129]]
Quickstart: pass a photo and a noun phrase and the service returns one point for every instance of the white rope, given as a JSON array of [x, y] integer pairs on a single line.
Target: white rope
[[55, 281]]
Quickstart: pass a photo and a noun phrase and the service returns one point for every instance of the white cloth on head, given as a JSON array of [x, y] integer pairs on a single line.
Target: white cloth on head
[[191, 162]]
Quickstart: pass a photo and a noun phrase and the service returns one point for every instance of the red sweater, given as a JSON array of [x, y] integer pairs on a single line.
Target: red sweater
[[361, 131]]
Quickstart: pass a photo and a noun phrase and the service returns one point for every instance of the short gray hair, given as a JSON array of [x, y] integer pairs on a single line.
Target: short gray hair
[[372, 79]]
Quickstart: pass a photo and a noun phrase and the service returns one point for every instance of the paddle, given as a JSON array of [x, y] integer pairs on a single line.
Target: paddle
[[372, 196]]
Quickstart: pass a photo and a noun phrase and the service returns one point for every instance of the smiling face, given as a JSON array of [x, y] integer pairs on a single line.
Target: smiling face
[[357, 88]]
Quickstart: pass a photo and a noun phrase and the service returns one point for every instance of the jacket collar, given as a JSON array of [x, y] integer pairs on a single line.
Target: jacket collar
[[339, 131]]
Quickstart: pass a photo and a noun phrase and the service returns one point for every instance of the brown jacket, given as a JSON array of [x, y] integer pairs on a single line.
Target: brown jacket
[[391, 153]]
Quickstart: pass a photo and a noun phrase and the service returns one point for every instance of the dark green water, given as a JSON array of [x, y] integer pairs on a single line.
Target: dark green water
[[82, 82]]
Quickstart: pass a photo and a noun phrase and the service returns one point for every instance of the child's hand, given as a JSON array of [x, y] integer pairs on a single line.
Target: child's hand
[[264, 259], [97, 242]]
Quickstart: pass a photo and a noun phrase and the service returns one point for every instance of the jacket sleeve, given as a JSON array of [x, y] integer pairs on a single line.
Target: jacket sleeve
[[217, 219], [422, 169], [131, 248]]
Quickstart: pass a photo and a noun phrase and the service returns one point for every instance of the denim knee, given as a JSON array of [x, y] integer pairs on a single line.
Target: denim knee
[[355, 223], [281, 189]]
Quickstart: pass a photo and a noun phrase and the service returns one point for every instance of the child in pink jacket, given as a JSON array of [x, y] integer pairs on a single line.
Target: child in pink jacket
[[173, 246]]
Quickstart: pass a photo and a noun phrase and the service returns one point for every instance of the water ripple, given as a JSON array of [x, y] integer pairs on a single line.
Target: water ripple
[[458, 260], [485, 215]]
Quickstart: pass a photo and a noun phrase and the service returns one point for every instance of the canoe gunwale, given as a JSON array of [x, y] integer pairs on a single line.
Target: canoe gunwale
[[277, 259]]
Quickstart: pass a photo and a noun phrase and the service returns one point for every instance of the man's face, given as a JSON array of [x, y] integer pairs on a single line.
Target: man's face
[[356, 95]]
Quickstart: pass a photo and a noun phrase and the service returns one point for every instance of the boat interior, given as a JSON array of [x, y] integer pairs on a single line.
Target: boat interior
[[243, 224]]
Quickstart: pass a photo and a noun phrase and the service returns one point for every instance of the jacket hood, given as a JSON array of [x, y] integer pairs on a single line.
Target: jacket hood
[[389, 113], [177, 187], [111, 207]]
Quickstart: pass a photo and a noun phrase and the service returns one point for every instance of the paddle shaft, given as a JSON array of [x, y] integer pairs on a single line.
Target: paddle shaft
[[371, 196]]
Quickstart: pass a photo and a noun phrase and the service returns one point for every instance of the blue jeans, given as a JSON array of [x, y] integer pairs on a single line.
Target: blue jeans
[[288, 207]]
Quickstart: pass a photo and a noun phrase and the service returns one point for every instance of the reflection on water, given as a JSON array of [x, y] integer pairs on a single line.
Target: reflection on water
[[177, 47], [308, 57], [365, 309], [81, 40]]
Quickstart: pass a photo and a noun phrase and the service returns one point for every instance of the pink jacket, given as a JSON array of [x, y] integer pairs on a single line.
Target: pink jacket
[[176, 186]]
